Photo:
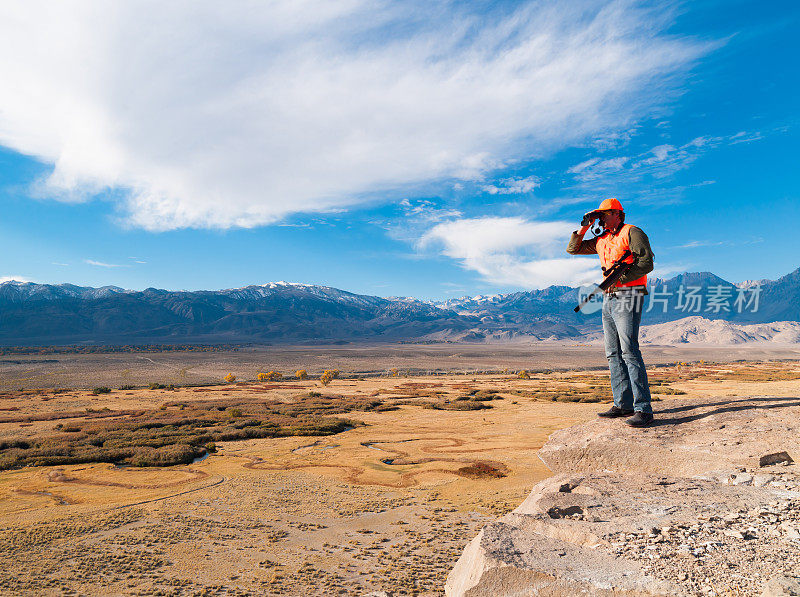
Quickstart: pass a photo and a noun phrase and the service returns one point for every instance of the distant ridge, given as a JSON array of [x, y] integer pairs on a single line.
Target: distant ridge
[[698, 330], [286, 312]]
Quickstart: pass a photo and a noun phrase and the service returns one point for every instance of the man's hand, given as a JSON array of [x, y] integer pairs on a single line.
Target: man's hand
[[587, 222]]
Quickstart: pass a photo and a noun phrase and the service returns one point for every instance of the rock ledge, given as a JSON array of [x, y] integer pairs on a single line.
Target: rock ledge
[[705, 502]]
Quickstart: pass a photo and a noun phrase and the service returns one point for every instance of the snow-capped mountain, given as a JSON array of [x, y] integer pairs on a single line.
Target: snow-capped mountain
[[285, 312]]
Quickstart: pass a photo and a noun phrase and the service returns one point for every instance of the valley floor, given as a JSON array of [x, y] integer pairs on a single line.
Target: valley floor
[[182, 368], [387, 505]]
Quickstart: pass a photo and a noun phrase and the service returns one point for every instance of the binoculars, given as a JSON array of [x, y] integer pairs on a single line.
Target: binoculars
[[589, 216]]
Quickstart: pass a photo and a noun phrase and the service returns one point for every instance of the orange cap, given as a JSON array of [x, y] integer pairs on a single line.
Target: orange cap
[[610, 204]]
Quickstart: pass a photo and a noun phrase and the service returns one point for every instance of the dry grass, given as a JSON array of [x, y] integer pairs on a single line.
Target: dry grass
[[458, 405], [568, 393], [666, 390], [177, 432], [748, 374]]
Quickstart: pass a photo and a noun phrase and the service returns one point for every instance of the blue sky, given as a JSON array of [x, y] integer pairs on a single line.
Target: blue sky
[[395, 149]]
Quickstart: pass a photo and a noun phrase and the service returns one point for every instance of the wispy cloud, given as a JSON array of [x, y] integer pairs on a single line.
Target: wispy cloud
[[425, 211], [593, 169], [697, 244], [578, 168], [14, 279], [513, 186], [227, 114], [415, 218], [610, 140], [658, 162], [102, 263], [512, 251], [670, 269]]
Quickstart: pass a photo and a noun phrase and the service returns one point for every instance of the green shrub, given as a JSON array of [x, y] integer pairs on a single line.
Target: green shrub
[[101, 390]]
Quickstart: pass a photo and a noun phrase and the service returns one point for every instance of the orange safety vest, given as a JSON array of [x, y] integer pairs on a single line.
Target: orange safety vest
[[610, 247]]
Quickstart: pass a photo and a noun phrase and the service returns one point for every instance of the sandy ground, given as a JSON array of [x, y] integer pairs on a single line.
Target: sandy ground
[[383, 507]]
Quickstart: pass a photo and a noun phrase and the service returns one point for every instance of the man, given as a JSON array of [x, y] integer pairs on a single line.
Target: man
[[622, 308]]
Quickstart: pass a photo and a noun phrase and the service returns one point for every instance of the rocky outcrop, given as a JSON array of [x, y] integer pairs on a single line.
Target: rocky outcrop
[[705, 502]]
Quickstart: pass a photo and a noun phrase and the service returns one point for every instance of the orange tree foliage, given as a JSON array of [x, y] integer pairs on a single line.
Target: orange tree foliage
[[270, 376], [328, 376]]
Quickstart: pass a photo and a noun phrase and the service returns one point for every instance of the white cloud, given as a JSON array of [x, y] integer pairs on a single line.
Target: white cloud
[[238, 113], [611, 164], [513, 186], [738, 241], [695, 244], [513, 251], [577, 168], [424, 211], [101, 263], [614, 139], [596, 168], [660, 153], [14, 279], [745, 137], [657, 162], [663, 271]]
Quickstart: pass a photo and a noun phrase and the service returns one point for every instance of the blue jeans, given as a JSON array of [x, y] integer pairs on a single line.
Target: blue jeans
[[622, 314]]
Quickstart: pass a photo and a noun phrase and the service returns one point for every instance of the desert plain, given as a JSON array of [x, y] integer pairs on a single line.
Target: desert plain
[[372, 483]]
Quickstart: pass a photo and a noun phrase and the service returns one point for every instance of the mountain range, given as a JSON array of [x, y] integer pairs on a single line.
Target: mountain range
[[48, 314]]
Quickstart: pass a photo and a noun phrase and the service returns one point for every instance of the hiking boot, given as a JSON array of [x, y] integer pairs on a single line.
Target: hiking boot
[[615, 412], [640, 419]]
